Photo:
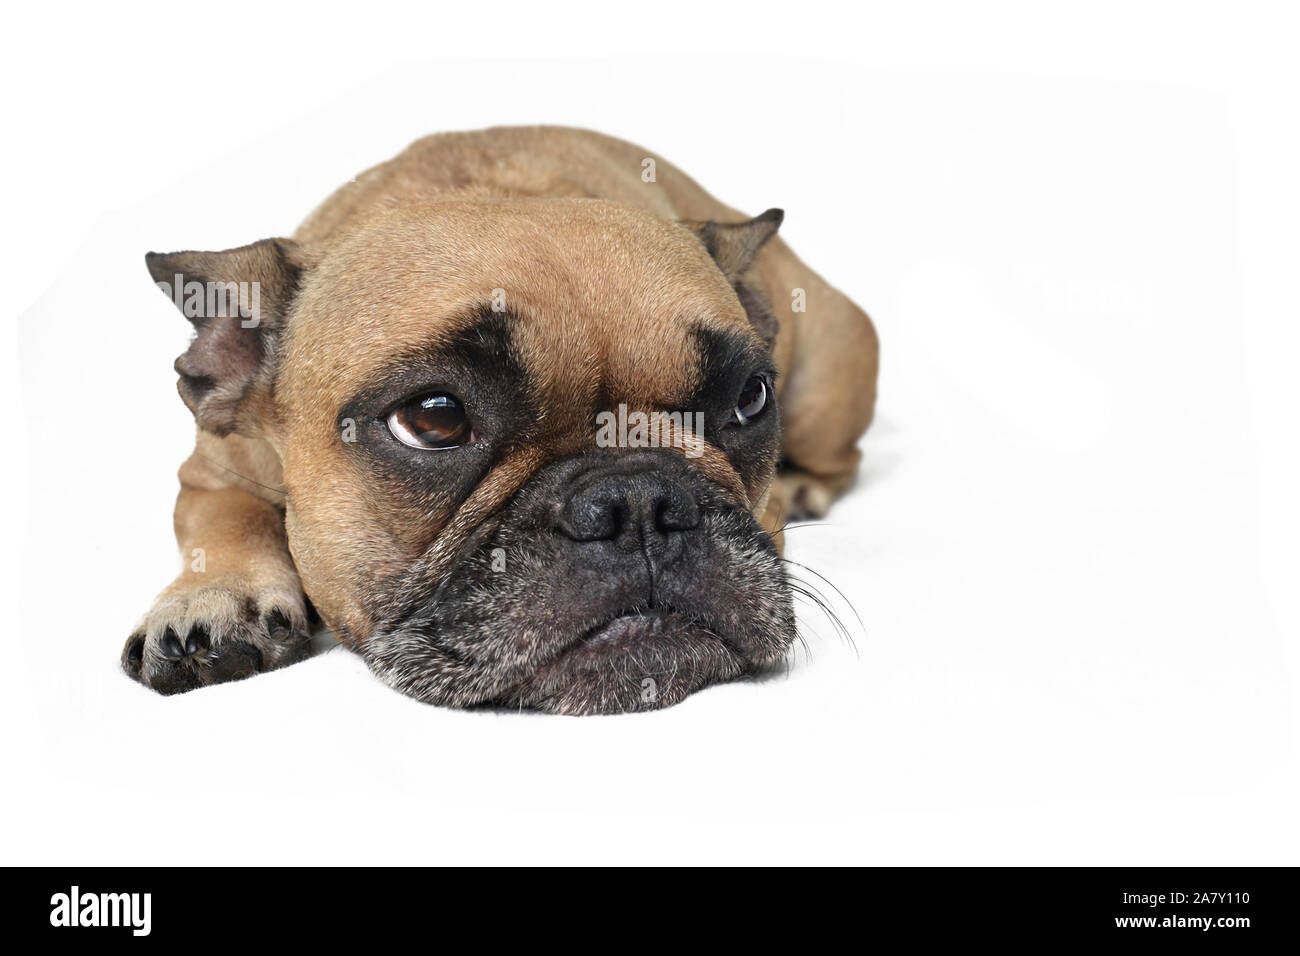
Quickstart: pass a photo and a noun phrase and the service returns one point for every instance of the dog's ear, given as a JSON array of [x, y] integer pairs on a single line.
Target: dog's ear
[[238, 301], [733, 246]]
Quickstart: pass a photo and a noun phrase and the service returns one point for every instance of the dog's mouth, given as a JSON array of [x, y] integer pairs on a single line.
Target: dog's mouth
[[638, 661], [532, 618], [626, 632]]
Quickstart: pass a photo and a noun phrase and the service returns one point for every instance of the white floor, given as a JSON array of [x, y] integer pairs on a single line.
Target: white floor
[[1064, 547]]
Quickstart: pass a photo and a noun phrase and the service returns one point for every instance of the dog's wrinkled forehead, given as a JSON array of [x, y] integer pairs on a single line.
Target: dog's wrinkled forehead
[[590, 289]]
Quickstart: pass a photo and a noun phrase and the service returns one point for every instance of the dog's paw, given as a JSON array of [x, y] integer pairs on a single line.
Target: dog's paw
[[212, 634], [801, 496]]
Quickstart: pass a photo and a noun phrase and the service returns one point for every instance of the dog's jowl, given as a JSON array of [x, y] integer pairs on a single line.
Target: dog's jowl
[[520, 427]]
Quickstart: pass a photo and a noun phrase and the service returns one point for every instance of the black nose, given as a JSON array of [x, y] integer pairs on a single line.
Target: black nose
[[636, 509]]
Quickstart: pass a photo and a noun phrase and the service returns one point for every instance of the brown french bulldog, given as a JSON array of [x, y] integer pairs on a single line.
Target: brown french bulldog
[[503, 413]]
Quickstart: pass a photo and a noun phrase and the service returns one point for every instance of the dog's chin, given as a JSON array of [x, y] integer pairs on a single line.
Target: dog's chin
[[640, 661]]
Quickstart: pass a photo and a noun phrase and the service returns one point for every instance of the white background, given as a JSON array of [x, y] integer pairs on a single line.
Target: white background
[[1073, 547]]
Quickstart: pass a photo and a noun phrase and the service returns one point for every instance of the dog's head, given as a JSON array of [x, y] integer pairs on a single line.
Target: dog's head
[[522, 444]]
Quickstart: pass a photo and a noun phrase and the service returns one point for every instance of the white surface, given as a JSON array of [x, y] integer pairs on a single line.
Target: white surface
[[1072, 547]]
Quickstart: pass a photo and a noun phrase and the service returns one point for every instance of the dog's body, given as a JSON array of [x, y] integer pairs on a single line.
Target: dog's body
[[501, 289]]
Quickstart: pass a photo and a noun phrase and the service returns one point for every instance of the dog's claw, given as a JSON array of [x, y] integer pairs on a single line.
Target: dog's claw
[[233, 639], [171, 646], [133, 654], [277, 625], [198, 640]]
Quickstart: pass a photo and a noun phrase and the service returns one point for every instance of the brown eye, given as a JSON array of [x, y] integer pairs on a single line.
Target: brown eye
[[753, 399], [431, 421]]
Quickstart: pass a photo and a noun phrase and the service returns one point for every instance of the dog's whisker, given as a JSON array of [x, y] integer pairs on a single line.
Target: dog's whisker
[[231, 471], [799, 634], [831, 584], [810, 592], [803, 643]]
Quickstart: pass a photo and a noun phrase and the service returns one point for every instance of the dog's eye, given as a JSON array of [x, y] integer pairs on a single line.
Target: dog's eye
[[753, 400], [431, 421]]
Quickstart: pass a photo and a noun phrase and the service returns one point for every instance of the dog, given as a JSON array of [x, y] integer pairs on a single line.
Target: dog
[[519, 415]]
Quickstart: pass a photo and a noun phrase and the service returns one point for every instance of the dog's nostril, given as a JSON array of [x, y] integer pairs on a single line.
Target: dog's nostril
[[135, 650], [616, 520], [637, 504]]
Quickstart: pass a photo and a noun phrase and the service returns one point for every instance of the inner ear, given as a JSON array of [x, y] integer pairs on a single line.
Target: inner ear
[[238, 301], [734, 246]]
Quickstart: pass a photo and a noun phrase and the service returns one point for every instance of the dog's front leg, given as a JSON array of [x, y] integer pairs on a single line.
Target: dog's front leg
[[237, 606]]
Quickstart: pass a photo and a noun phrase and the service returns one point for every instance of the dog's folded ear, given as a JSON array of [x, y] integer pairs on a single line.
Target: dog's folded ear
[[733, 246], [238, 301]]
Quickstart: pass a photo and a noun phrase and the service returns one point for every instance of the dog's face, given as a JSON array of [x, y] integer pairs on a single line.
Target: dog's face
[[457, 393]]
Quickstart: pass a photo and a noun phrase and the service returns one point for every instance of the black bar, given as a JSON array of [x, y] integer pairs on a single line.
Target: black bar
[[1226, 907]]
